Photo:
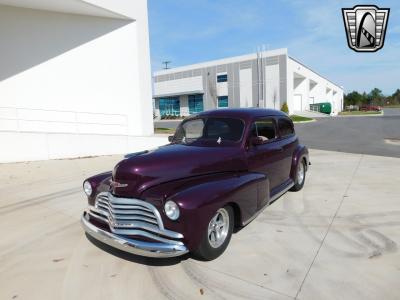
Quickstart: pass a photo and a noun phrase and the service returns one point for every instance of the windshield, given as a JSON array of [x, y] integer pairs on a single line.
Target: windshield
[[209, 132]]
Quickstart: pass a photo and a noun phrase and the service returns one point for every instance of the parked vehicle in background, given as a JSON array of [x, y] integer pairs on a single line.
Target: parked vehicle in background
[[221, 168], [352, 108], [370, 108]]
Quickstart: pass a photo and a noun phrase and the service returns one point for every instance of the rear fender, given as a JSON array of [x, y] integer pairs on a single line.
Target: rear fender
[[300, 153]]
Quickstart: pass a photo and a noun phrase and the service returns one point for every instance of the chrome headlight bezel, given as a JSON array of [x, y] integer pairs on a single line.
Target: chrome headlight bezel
[[171, 210], [87, 188]]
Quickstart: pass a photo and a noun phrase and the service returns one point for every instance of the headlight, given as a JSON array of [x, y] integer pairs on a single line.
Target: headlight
[[87, 187], [171, 210]]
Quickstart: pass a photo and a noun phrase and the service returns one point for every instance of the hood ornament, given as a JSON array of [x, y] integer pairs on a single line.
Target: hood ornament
[[115, 184]]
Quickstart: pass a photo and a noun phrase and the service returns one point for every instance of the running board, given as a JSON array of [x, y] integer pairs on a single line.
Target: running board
[[273, 199], [287, 187]]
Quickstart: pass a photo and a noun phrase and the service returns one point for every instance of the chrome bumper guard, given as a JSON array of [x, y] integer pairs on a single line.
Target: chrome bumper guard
[[142, 248]]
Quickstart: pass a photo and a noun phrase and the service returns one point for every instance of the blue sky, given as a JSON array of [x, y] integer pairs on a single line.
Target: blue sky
[[192, 31]]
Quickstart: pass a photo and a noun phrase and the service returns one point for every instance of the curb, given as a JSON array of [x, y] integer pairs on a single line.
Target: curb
[[302, 122], [371, 115]]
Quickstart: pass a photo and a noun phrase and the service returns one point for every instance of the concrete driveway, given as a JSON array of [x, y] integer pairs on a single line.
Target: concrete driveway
[[338, 238]]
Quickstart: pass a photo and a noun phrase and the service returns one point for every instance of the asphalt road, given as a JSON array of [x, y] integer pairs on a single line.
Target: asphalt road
[[363, 135]]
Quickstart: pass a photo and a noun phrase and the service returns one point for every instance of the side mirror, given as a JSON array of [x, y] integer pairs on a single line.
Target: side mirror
[[170, 138], [258, 140]]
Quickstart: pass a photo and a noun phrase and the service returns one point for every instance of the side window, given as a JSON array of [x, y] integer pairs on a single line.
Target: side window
[[285, 127], [265, 128]]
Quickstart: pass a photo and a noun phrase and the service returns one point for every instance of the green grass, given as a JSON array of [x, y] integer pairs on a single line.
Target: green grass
[[164, 130], [296, 118], [359, 113]]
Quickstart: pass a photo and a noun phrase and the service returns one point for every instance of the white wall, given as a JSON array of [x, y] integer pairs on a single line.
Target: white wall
[[77, 77], [272, 78], [222, 87], [184, 105], [179, 86], [246, 87], [318, 93], [43, 146]]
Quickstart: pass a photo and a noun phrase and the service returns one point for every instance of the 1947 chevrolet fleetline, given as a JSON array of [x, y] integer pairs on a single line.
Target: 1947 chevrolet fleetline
[[220, 169]]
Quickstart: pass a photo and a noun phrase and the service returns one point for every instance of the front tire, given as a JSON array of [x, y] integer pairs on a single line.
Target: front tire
[[300, 176], [217, 236]]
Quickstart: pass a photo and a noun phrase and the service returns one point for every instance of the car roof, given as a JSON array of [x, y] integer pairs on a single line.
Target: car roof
[[242, 113]]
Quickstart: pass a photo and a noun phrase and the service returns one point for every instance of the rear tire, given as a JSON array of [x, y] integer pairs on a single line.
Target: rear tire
[[300, 176], [217, 235]]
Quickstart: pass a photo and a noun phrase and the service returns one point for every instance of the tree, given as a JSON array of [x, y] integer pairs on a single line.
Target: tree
[[395, 98], [353, 98], [375, 96]]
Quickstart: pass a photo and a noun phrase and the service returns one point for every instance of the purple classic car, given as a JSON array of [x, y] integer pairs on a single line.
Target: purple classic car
[[220, 169]]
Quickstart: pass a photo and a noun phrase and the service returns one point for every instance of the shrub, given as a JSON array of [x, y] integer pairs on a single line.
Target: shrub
[[285, 108]]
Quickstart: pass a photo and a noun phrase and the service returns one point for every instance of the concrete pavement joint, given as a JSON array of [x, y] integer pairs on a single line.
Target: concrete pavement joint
[[330, 225]]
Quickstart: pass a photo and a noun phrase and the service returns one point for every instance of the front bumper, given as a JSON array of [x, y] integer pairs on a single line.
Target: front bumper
[[142, 248]]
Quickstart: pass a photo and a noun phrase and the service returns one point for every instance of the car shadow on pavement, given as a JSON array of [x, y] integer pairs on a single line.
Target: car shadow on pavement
[[148, 261]]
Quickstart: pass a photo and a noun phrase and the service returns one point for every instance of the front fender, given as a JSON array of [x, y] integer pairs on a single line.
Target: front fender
[[100, 183], [200, 197]]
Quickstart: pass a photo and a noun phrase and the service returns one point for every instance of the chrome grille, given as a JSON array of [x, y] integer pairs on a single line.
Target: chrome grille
[[122, 212], [126, 216]]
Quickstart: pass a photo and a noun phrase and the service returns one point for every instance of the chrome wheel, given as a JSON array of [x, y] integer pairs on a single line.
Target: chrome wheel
[[300, 173], [218, 228]]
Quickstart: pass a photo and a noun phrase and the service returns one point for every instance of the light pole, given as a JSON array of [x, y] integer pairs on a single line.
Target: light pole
[[166, 63]]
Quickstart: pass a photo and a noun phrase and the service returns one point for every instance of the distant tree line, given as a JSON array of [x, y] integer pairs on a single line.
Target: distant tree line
[[374, 97]]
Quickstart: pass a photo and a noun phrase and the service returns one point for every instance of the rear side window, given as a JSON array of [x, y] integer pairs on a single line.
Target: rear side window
[[265, 128], [285, 127]]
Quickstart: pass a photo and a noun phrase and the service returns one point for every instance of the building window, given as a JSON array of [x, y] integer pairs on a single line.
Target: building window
[[170, 106], [222, 78], [195, 103], [222, 101]]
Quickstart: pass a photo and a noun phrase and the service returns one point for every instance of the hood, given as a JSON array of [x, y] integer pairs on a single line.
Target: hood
[[139, 172]]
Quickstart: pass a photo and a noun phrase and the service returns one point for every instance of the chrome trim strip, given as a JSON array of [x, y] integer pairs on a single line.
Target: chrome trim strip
[[127, 229], [116, 206], [276, 196], [131, 201], [270, 202], [105, 217], [132, 246], [125, 211]]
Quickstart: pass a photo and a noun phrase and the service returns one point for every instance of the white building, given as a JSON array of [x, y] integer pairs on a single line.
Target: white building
[[268, 79], [75, 78]]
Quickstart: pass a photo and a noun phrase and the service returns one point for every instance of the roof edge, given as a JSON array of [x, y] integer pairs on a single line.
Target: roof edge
[[279, 51]]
